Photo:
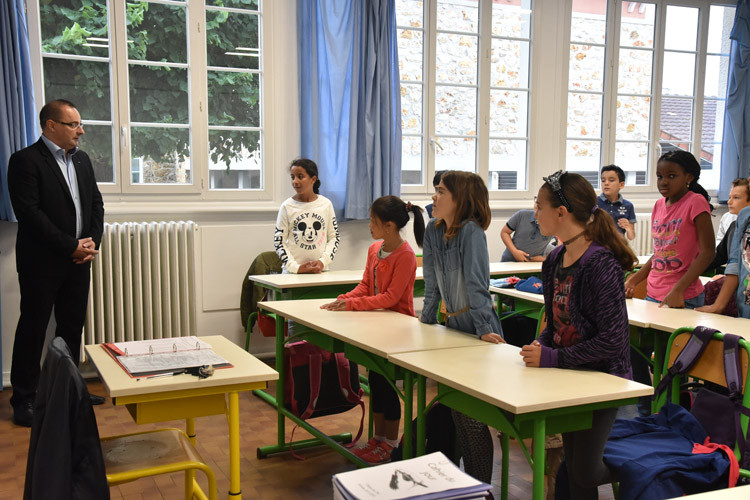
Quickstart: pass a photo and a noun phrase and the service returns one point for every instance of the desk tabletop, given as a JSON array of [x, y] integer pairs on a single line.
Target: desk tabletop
[[247, 369], [380, 332], [496, 374], [537, 298], [736, 493], [350, 277]]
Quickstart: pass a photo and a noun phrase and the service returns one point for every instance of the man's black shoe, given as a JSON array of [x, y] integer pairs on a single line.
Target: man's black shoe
[[96, 400], [23, 414]]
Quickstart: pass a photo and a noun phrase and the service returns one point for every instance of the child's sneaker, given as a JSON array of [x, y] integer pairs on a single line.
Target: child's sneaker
[[379, 454], [366, 447]]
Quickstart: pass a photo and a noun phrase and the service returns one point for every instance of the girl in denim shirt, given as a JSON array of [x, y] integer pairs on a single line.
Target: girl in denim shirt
[[456, 266]]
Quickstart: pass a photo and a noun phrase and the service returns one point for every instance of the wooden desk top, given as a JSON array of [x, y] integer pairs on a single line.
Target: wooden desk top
[[737, 493], [380, 332], [353, 277], [498, 376], [648, 314], [537, 298], [247, 369]]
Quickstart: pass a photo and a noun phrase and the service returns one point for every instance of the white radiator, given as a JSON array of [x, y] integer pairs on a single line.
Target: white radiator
[[643, 244], [143, 283]]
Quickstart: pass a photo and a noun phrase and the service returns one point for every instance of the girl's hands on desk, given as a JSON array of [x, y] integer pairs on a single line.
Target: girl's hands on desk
[[493, 338], [315, 267], [531, 354], [630, 285], [336, 305], [673, 299]]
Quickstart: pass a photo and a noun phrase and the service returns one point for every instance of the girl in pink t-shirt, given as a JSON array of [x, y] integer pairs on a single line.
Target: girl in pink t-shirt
[[387, 283], [683, 235]]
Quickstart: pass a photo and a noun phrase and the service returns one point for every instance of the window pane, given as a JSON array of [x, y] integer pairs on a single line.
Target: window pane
[[586, 68], [632, 157], [710, 165], [411, 108], [584, 115], [455, 110], [681, 31], [508, 113], [512, 20], [86, 83], [637, 24], [589, 21], [67, 28], [456, 154], [97, 142], [235, 159], [713, 120], [510, 63], [634, 75], [458, 15], [162, 155], [720, 22], [507, 156], [676, 119], [232, 40], [583, 156], [410, 49], [158, 94], [409, 13], [157, 32], [233, 99], [456, 60], [633, 114], [717, 73], [679, 74], [411, 160], [239, 4]]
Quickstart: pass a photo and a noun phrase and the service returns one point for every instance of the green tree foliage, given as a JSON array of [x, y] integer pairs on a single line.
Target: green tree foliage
[[158, 94]]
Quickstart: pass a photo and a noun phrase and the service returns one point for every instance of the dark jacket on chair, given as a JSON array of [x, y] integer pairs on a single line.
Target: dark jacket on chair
[[264, 263], [65, 457]]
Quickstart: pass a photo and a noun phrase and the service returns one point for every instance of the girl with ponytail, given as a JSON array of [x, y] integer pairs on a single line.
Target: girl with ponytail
[[584, 299], [387, 283], [683, 235]]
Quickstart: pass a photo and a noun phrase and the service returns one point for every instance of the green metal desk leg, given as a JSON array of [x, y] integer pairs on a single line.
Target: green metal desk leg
[[280, 422], [408, 412], [538, 457], [659, 352], [505, 474], [421, 402]]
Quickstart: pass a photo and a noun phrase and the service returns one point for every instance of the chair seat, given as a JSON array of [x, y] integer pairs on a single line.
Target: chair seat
[[131, 456]]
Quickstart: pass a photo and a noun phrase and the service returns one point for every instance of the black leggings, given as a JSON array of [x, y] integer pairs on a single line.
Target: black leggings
[[383, 397], [583, 456]]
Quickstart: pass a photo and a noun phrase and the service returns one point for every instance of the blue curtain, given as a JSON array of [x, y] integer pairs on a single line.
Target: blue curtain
[[735, 152], [350, 99], [18, 124]]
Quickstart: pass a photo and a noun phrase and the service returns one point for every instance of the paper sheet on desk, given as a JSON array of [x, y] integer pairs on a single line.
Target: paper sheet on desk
[[159, 363]]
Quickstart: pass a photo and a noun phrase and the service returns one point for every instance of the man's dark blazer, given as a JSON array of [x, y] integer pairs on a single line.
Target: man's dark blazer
[[46, 214]]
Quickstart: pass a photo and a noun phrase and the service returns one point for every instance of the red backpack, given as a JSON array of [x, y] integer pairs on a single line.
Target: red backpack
[[318, 382]]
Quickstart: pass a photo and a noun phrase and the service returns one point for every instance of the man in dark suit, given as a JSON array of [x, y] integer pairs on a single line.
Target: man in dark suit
[[60, 222]]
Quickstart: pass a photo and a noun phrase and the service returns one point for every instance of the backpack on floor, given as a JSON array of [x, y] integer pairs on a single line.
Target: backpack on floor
[[318, 382], [440, 434]]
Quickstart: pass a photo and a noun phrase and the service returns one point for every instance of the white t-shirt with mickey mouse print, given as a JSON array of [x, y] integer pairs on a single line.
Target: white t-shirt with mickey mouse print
[[306, 232]]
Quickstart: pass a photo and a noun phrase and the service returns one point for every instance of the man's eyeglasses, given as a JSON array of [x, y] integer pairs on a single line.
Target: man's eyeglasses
[[553, 181], [70, 124]]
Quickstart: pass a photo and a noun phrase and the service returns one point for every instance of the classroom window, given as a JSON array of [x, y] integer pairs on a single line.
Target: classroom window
[[464, 108], [612, 113], [169, 91]]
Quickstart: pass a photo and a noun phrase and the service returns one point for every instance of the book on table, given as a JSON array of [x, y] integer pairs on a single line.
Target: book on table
[[427, 477], [143, 358]]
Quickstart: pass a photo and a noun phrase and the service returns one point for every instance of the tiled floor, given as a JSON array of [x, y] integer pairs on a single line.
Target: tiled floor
[[277, 477]]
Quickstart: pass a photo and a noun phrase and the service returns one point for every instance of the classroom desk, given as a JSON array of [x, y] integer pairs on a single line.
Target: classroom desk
[[187, 397], [491, 384], [333, 283], [365, 337], [736, 493]]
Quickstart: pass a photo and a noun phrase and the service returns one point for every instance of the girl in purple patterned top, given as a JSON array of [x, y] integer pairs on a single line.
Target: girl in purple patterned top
[[584, 297]]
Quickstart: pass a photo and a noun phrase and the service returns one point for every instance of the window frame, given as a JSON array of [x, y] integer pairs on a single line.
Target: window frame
[[269, 12]]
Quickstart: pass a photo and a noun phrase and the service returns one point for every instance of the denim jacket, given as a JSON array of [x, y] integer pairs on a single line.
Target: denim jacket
[[738, 265], [458, 271]]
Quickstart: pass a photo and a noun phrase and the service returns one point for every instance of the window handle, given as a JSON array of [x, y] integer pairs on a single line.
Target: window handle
[[434, 142], [124, 137]]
